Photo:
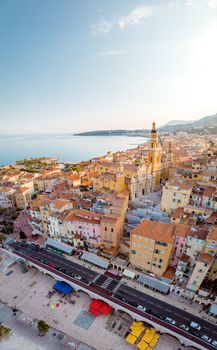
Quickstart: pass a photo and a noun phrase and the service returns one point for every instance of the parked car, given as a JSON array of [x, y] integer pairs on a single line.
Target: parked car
[[170, 320], [214, 343], [195, 325], [77, 277], [142, 308], [132, 303], [52, 265], [183, 326], [206, 338]]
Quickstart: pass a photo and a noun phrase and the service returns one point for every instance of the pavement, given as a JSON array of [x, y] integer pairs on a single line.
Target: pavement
[[157, 309], [28, 293]]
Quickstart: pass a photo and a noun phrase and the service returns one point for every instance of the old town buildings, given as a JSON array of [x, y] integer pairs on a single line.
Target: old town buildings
[[85, 206]]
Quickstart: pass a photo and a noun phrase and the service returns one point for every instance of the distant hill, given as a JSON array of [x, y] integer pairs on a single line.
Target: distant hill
[[178, 122], [205, 125]]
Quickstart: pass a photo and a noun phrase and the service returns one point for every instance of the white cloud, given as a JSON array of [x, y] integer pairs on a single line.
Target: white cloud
[[112, 53], [103, 27], [179, 3], [135, 17], [212, 4]]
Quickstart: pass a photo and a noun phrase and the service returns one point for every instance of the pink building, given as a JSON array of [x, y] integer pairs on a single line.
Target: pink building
[[180, 241], [85, 224]]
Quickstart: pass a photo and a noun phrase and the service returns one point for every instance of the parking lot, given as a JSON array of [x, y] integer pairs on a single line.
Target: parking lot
[[29, 292]]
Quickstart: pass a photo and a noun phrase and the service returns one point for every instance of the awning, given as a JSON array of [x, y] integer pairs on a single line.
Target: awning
[[63, 287], [213, 309], [129, 273], [98, 307], [59, 245], [96, 260], [154, 283]]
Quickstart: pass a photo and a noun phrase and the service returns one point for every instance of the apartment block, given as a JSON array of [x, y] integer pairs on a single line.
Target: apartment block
[[175, 195], [151, 245], [201, 268]]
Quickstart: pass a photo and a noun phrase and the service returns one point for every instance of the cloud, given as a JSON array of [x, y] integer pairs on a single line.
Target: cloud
[[179, 3], [212, 4], [112, 53], [103, 27], [135, 17]]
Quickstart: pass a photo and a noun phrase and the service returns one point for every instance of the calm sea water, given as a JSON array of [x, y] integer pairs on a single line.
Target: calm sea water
[[65, 147]]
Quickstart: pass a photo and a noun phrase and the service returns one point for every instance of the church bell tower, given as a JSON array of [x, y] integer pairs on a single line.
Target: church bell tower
[[154, 156]]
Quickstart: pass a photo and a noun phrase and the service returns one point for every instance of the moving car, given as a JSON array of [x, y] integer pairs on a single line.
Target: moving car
[[170, 320], [183, 326], [207, 339], [142, 308], [195, 325]]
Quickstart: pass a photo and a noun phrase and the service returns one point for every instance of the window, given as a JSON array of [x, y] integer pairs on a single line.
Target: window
[[112, 230], [133, 251], [105, 228], [200, 270]]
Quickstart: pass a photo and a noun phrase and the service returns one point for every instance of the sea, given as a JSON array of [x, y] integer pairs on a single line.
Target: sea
[[65, 147]]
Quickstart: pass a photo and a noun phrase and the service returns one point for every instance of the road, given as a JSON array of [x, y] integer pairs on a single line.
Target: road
[[119, 293]]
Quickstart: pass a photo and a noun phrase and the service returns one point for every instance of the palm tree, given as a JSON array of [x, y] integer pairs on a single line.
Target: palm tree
[[43, 327]]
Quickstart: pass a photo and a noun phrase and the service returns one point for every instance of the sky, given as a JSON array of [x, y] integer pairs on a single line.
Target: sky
[[80, 65]]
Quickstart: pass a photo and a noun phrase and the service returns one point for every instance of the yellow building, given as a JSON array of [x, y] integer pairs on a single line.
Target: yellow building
[[111, 232], [109, 181], [201, 268], [175, 195], [141, 167], [22, 197], [211, 248], [151, 246], [154, 155]]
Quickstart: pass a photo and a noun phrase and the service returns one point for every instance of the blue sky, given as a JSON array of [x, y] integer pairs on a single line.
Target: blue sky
[[77, 65]]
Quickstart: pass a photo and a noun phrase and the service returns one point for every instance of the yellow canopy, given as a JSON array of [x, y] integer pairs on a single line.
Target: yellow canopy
[[131, 338], [142, 345]]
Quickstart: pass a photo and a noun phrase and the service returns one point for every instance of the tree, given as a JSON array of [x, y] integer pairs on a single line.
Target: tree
[[43, 327], [2, 238], [4, 330], [22, 235]]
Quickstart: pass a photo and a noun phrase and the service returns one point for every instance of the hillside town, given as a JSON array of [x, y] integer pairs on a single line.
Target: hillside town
[[147, 215]]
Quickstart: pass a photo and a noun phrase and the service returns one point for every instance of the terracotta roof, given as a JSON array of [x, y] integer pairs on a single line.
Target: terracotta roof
[[177, 214], [212, 235], [182, 230], [207, 258], [155, 230], [199, 233], [185, 258], [209, 191], [170, 273], [83, 215]]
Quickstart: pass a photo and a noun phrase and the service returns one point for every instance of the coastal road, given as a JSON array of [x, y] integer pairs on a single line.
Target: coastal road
[[121, 294]]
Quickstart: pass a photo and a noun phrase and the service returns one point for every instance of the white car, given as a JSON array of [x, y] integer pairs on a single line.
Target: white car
[[170, 320], [183, 326], [77, 277], [214, 343], [195, 325], [207, 339], [140, 307]]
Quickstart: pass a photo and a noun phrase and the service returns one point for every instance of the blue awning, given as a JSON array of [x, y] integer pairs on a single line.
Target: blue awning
[[63, 287]]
